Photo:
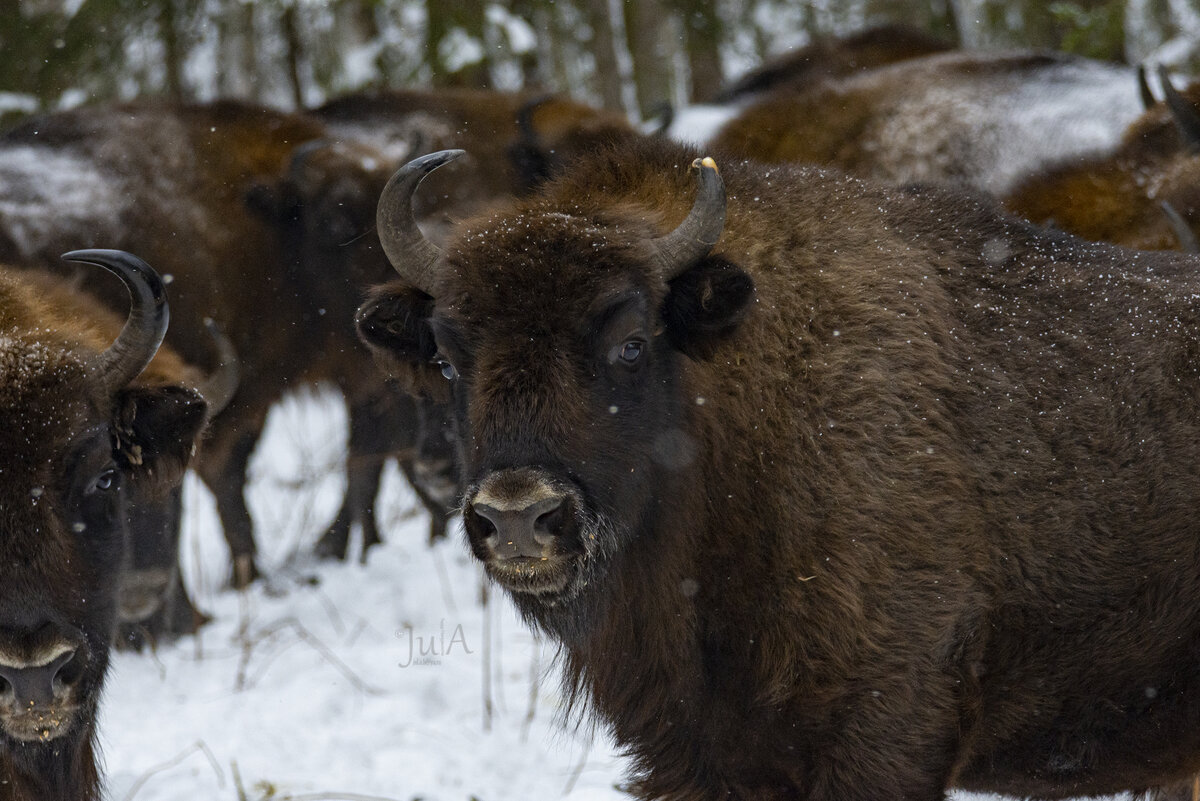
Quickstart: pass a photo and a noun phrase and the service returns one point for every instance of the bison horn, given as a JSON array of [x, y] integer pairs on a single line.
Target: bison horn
[[1182, 231], [1187, 120], [1144, 88], [146, 326], [412, 255], [696, 235], [220, 385]]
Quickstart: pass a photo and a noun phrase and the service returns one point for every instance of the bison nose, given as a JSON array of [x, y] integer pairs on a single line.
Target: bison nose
[[42, 680], [527, 531]]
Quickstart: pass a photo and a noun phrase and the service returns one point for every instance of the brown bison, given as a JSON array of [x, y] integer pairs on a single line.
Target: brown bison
[[85, 425], [1146, 194], [834, 57], [983, 120], [240, 206], [829, 490]]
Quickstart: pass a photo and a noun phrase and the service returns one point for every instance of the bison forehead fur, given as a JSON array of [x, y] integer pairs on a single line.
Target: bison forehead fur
[[934, 524]]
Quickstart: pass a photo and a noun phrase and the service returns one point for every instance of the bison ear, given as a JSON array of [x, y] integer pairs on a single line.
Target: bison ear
[[706, 304], [394, 322], [156, 431]]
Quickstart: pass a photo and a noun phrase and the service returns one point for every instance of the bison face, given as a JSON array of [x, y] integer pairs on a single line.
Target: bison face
[[566, 347], [324, 207], [71, 457]]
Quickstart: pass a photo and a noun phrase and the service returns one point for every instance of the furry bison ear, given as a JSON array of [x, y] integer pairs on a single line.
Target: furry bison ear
[[706, 304], [156, 432], [394, 322]]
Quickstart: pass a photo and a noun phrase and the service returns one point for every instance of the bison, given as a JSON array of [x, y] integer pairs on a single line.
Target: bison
[[797, 70], [983, 120], [1146, 194], [85, 425], [828, 489], [241, 206], [514, 138]]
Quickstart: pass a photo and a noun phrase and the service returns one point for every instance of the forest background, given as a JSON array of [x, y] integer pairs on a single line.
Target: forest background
[[628, 55]]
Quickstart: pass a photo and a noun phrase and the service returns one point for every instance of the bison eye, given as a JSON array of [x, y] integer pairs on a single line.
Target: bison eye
[[629, 352], [447, 369], [105, 482]]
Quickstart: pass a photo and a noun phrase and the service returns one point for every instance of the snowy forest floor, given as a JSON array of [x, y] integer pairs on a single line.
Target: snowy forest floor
[[312, 685]]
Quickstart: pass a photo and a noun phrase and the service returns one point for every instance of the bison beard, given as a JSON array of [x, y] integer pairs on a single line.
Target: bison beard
[[886, 494]]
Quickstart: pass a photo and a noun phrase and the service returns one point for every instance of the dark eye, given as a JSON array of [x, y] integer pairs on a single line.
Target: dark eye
[[105, 482], [631, 351], [447, 369]]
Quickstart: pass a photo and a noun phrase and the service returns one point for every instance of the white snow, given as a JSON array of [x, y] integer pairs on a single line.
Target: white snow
[[309, 691]]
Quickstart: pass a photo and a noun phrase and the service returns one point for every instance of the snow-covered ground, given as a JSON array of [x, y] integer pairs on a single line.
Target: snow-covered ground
[[314, 687]]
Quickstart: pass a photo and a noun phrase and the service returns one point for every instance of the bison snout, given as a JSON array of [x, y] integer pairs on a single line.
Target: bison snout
[[27, 683], [529, 531]]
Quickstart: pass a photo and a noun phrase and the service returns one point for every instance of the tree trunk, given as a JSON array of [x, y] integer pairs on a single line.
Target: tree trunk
[[604, 50], [647, 30], [168, 27], [702, 30], [291, 34], [455, 29]]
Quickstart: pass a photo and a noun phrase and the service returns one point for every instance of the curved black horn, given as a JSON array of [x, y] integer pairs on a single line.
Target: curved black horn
[[1187, 119], [1183, 232], [1144, 88], [411, 254], [146, 326], [696, 235], [220, 385]]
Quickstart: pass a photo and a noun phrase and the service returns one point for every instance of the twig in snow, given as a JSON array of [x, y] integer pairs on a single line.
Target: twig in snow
[[237, 781], [314, 642], [575, 774], [444, 581], [487, 660], [535, 679], [334, 797], [199, 745]]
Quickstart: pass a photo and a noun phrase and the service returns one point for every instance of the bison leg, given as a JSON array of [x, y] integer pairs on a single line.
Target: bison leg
[[895, 744], [373, 438], [227, 479]]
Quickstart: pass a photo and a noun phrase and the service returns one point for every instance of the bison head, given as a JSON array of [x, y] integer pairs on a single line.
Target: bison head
[[78, 433], [324, 206], [562, 332]]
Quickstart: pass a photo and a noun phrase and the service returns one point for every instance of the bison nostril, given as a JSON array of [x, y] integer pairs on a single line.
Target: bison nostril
[[71, 670], [549, 523], [6, 689]]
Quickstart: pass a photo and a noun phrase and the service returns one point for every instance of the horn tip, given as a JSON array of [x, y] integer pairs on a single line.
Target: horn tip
[[708, 162]]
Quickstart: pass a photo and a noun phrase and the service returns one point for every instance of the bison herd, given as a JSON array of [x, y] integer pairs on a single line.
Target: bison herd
[[836, 429]]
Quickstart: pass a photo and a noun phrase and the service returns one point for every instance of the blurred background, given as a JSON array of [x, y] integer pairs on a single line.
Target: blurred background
[[626, 55]]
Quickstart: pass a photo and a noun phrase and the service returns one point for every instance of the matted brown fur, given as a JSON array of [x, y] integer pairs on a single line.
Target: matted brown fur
[[1118, 198], [921, 515]]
